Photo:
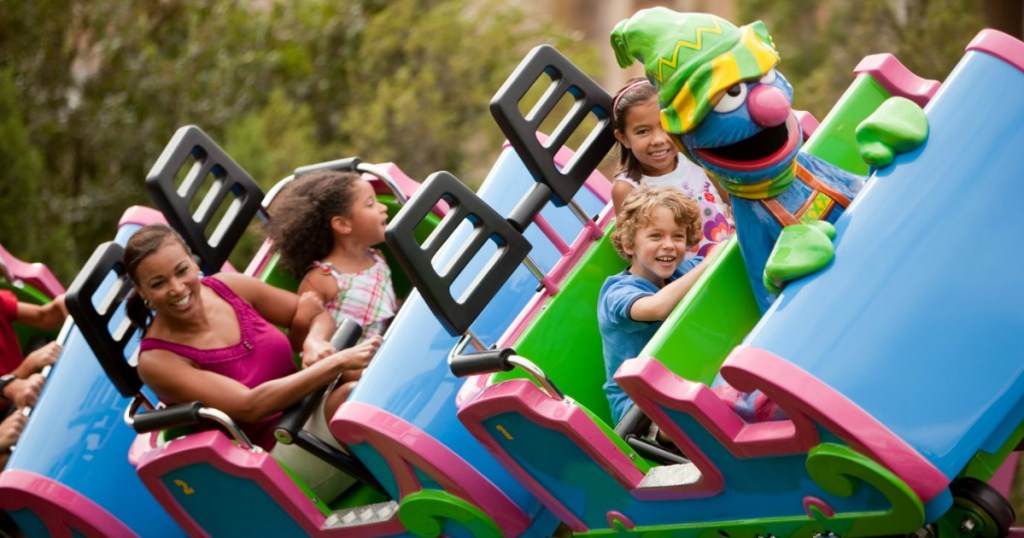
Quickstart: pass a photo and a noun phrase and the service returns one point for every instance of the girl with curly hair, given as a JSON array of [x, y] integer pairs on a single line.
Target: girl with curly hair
[[325, 225]]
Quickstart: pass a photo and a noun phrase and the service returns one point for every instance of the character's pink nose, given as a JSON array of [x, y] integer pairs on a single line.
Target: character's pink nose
[[768, 105]]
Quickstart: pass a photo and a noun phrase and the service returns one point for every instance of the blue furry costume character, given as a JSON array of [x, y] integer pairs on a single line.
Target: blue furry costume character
[[730, 111]]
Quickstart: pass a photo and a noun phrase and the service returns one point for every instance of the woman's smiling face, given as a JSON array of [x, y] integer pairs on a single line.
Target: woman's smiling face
[[169, 279]]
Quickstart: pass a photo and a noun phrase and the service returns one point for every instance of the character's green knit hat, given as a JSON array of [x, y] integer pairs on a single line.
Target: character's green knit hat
[[691, 58]]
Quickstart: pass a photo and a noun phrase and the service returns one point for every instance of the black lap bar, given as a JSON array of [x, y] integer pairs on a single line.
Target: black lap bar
[[417, 261], [566, 80], [295, 417], [176, 416], [482, 362], [214, 184]]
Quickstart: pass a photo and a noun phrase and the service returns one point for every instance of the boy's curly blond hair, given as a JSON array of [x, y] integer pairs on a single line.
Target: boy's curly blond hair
[[636, 213]]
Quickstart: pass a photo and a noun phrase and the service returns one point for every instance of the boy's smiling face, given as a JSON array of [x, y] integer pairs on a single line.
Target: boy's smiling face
[[658, 247]]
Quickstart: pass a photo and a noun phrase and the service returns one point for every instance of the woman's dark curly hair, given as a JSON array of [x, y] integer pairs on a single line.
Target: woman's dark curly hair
[[300, 217]]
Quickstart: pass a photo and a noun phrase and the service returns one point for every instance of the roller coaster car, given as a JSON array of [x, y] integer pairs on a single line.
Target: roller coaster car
[[401, 420], [194, 459], [68, 474], [441, 484], [897, 365]]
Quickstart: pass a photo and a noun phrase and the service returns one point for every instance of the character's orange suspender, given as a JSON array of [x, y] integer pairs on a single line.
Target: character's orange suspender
[[817, 206]]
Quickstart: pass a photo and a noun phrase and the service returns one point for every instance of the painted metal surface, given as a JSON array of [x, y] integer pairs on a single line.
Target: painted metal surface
[[409, 378], [897, 364], [70, 469], [919, 296]]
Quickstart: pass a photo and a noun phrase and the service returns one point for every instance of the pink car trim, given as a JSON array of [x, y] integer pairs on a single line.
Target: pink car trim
[[35, 274], [141, 216], [896, 79], [406, 449], [523, 397], [805, 398], [654, 387], [808, 123], [1003, 46], [60, 508], [214, 448]]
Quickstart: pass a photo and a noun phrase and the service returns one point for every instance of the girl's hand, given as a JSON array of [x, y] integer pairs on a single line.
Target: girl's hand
[[314, 350], [359, 355]]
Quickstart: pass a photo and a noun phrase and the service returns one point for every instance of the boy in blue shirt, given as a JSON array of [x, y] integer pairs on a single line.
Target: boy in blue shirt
[[654, 229]]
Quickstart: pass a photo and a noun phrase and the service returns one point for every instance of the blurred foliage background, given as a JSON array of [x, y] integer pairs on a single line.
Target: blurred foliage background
[[822, 42], [90, 92]]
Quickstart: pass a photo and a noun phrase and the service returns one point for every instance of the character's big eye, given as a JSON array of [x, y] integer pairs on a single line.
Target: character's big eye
[[768, 77], [732, 98]]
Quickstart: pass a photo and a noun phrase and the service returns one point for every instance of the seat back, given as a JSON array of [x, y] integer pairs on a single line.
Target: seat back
[[212, 204], [96, 300], [557, 181], [575, 364]]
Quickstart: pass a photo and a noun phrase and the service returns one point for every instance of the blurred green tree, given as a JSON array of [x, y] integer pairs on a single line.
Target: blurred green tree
[[821, 41], [101, 88], [423, 75], [20, 175]]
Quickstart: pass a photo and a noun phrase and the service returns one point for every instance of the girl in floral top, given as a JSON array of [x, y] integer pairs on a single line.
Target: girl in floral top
[[647, 156]]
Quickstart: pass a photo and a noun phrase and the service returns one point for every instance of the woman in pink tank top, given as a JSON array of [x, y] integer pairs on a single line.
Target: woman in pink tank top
[[216, 340]]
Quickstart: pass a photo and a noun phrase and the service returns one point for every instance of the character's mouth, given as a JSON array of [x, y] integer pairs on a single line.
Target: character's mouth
[[763, 150]]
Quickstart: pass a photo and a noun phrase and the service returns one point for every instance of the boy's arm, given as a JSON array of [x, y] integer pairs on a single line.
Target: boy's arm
[[657, 307], [47, 317]]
